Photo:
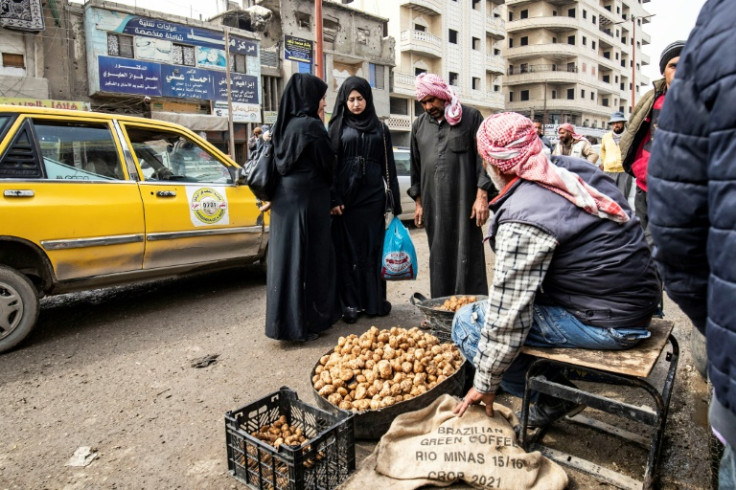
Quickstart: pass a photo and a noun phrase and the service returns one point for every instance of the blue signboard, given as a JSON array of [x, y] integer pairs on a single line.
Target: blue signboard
[[243, 88], [141, 26], [186, 82], [129, 76]]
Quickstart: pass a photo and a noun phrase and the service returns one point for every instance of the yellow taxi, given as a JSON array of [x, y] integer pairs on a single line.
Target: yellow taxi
[[92, 200]]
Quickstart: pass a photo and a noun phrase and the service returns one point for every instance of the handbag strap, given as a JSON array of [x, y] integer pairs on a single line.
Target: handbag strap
[[389, 195]]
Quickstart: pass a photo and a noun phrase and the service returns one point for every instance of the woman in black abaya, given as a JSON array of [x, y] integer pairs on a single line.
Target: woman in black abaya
[[301, 298], [364, 152]]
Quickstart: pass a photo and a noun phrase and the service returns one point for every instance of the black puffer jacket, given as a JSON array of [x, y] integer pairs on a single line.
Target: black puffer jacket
[[692, 196]]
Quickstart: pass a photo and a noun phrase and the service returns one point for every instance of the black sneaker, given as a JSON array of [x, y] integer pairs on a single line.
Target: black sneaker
[[549, 409]]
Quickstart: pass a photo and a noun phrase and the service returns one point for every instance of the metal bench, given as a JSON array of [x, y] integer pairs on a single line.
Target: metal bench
[[631, 367]]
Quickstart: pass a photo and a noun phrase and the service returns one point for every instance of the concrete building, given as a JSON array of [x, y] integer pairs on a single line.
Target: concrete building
[[461, 40], [575, 61], [355, 43], [21, 52]]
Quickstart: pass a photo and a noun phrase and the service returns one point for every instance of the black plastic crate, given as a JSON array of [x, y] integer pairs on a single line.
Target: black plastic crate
[[321, 463]]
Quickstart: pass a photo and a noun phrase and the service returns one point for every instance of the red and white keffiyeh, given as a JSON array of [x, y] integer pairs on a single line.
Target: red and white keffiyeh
[[509, 142], [569, 127], [429, 84]]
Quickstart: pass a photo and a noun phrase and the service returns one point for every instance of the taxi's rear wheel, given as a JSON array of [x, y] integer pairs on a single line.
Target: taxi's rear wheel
[[18, 308]]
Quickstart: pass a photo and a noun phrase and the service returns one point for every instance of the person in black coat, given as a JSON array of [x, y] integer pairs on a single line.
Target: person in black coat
[[692, 205], [300, 301], [365, 170]]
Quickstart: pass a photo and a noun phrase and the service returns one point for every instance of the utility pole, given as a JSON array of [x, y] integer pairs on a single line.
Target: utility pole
[[633, 64], [231, 142], [318, 53]]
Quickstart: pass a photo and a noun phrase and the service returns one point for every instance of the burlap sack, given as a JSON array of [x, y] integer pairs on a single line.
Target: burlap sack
[[432, 446]]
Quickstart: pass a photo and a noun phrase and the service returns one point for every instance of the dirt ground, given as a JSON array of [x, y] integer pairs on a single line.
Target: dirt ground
[[112, 370]]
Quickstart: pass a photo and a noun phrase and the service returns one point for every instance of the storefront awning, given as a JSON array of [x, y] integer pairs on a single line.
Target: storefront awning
[[195, 122]]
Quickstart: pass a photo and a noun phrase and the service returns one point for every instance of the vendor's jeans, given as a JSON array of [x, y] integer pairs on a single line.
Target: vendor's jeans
[[727, 470], [552, 326]]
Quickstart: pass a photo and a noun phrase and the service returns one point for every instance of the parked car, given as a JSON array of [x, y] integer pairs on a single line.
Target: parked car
[[92, 200], [403, 171]]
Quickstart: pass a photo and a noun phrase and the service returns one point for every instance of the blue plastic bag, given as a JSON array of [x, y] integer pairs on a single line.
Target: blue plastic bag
[[399, 259]]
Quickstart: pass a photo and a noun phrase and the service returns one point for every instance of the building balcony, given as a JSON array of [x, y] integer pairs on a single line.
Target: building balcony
[[542, 74], [421, 42], [644, 38], [645, 59], [553, 51], [398, 122], [427, 7], [495, 64], [495, 27], [550, 23], [404, 83], [574, 106]]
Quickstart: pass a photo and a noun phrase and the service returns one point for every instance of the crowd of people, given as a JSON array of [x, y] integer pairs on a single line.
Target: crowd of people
[[557, 213]]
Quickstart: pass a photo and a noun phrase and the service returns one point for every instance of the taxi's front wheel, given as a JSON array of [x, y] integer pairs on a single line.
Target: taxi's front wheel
[[18, 308]]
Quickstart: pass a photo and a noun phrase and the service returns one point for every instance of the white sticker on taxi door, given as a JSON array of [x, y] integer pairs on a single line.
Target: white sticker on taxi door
[[208, 206]]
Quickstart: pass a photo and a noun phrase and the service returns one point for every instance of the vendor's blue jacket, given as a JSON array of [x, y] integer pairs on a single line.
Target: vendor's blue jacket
[[692, 197]]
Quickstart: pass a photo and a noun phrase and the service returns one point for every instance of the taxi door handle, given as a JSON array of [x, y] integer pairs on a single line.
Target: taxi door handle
[[18, 193], [165, 193]]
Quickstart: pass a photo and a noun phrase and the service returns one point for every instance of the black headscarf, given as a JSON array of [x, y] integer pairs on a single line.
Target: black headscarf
[[341, 115], [298, 123]]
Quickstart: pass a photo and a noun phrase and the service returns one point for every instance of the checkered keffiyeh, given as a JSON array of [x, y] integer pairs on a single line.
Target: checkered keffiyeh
[[429, 84], [571, 128], [508, 142]]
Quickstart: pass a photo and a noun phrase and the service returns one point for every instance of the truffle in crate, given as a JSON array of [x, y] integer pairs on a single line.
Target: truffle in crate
[[265, 448]]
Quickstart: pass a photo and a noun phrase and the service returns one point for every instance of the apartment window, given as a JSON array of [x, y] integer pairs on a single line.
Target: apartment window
[[554, 13], [585, 14], [13, 60], [604, 102], [420, 28], [120, 45], [238, 63], [524, 68], [496, 52], [585, 67], [524, 14], [571, 13], [571, 40], [554, 94], [511, 96], [592, 44], [398, 106], [511, 16], [511, 42], [594, 19], [377, 73], [452, 34], [582, 94], [585, 41], [476, 43], [511, 69], [476, 83], [571, 68], [615, 78], [453, 78], [607, 78], [554, 40], [496, 88], [570, 94], [525, 40], [592, 96], [524, 95], [419, 71], [476, 4]]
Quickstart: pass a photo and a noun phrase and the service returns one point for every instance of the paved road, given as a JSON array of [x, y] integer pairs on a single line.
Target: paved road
[[112, 370]]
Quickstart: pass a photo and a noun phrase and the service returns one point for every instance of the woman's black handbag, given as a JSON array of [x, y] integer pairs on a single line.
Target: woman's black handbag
[[261, 174]]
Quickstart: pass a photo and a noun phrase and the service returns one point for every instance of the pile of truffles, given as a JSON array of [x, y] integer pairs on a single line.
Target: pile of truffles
[[280, 432], [454, 303], [383, 367]]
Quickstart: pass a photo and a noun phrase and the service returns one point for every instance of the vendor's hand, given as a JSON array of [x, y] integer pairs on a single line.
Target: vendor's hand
[[480, 210], [473, 397], [337, 210], [418, 214], [265, 206]]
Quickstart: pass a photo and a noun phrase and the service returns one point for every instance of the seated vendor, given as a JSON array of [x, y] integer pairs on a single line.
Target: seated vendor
[[572, 267]]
